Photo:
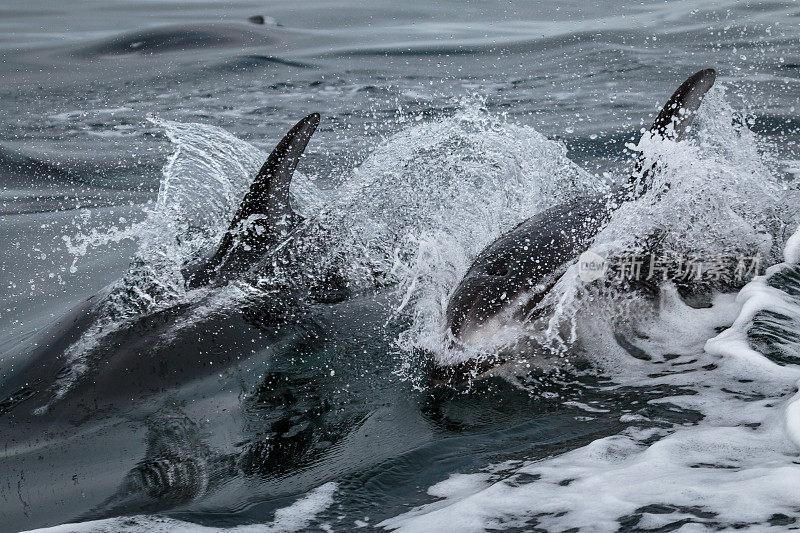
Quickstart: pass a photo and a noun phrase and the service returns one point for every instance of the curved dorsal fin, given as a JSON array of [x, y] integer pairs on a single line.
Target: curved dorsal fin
[[674, 119], [269, 192], [267, 201], [677, 114]]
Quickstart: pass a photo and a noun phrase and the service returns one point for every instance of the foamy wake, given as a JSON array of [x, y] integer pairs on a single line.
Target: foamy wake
[[429, 198], [297, 516], [735, 468], [716, 193]]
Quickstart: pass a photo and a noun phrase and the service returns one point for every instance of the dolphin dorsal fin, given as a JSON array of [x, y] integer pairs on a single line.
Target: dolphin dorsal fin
[[269, 192], [264, 213], [675, 117]]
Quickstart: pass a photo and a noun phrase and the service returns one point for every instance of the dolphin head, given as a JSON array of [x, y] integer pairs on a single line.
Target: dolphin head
[[479, 309], [508, 280], [496, 287], [488, 310]]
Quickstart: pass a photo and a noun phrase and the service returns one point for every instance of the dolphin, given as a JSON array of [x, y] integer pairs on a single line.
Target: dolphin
[[150, 359], [512, 275], [263, 219]]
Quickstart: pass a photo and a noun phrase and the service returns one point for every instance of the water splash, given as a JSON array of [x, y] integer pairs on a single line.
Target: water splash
[[202, 182], [735, 465], [714, 194], [477, 176], [427, 200]]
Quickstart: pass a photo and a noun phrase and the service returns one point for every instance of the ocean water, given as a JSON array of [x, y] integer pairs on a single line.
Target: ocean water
[[128, 135]]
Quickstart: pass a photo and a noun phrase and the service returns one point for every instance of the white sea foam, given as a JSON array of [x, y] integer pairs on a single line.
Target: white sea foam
[[735, 467], [715, 194], [299, 515]]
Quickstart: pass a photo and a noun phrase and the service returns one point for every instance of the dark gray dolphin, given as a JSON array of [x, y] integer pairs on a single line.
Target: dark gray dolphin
[[180, 38], [30, 375], [50, 409], [511, 276]]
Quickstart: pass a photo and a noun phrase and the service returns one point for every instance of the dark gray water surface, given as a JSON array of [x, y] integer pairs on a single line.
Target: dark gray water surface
[[318, 401]]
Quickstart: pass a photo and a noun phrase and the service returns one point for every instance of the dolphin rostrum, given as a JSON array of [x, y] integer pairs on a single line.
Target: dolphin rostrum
[[511, 275]]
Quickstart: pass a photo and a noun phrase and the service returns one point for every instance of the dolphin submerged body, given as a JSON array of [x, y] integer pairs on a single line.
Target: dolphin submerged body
[[163, 373], [512, 275]]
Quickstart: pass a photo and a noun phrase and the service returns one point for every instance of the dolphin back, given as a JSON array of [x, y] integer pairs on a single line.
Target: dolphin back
[[674, 119], [264, 214]]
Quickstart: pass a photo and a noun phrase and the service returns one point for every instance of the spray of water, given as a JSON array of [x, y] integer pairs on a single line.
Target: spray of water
[[426, 201], [714, 194]]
